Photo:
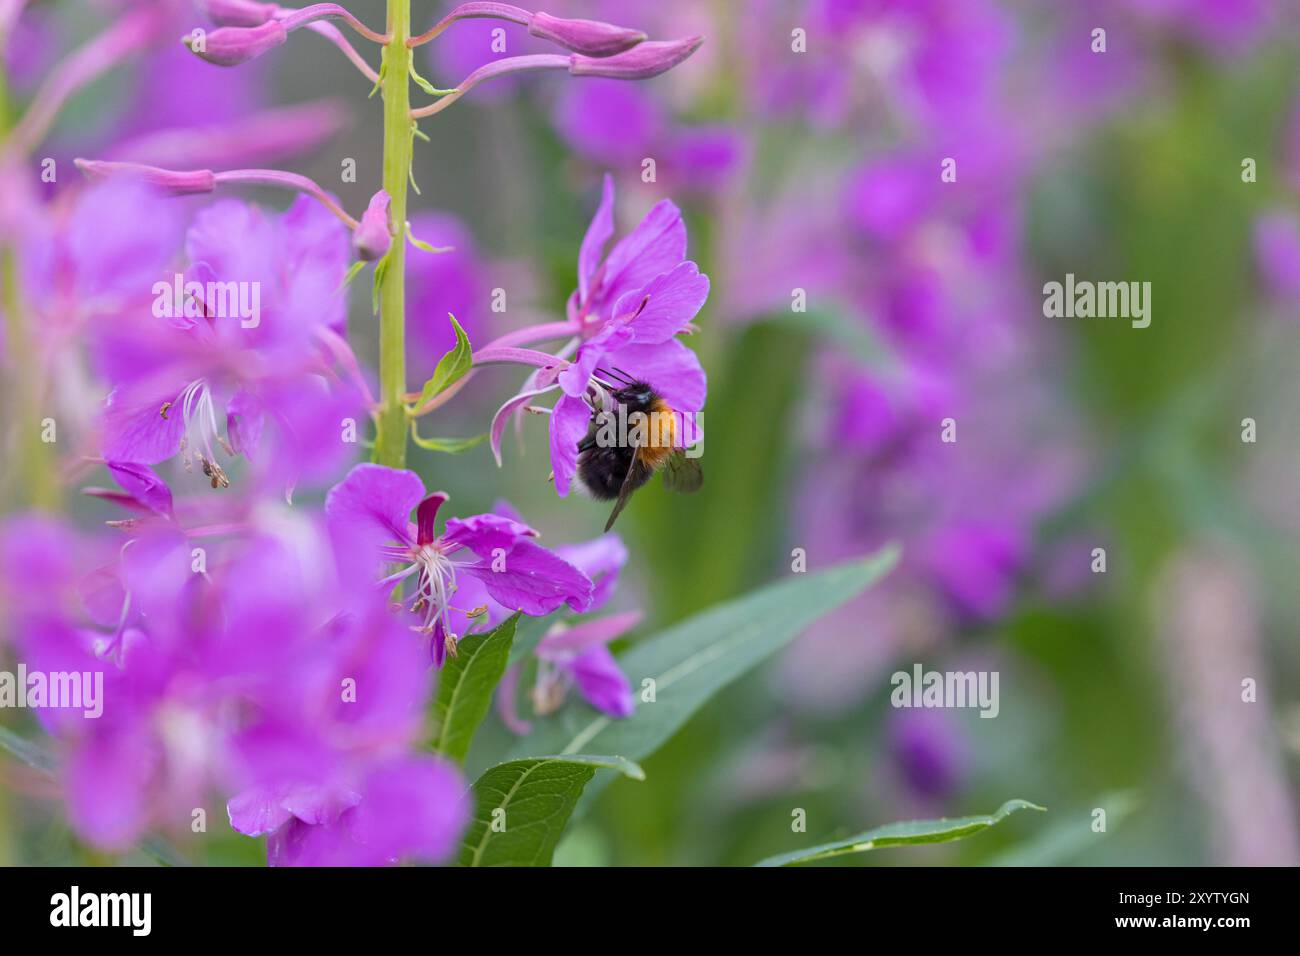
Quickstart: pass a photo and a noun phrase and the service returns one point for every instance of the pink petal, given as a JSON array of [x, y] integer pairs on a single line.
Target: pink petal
[[569, 421], [577, 639], [600, 681], [593, 243], [377, 496]]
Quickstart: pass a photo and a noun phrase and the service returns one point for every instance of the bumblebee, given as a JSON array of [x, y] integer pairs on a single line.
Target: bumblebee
[[614, 461]]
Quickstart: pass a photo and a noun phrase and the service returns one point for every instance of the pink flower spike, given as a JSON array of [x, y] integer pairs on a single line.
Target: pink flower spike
[[236, 13], [373, 237], [588, 37], [642, 62], [169, 181], [231, 46]]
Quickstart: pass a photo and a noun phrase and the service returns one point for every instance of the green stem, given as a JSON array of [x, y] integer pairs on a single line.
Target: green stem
[[390, 439], [33, 468]]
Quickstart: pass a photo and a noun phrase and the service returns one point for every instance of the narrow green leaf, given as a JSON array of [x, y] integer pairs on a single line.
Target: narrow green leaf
[[383, 72], [381, 267], [426, 85], [425, 246], [693, 660], [1071, 836], [910, 833], [521, 807], [465, 688], [451, 367], [449, 446], [353, 271], [529, 633], [30, 753]]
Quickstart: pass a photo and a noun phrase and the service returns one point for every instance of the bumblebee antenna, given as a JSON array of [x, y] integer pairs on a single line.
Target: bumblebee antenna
[[626, 377], [621, 377]]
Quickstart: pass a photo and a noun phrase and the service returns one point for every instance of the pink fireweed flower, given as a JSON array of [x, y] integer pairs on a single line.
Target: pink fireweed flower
[[623, 319], [370, 509], [193, 663], [169, 182], [233, 45], [589, 37], [569, 655], [641, 62], [578, 656], [172, 182]]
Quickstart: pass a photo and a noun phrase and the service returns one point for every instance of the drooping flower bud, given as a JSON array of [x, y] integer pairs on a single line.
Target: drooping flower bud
[[641, 62], [373, 236], [171, 182], [588, 37], [236, 13], [231, 46]]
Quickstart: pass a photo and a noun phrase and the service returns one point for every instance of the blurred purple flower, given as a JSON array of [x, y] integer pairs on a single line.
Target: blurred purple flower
[[928, 752], [1277, 254], [190, 368]]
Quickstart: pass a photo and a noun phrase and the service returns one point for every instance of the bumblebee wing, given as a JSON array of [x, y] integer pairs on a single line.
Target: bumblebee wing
[[624, 493], [683, 474]]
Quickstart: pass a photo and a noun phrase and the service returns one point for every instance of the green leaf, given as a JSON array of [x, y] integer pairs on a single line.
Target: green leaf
[[32, 754], [693, 660], [381, 268], [353, 271], [449, 446], [910, 833], [529, 633], [451, 367], [426, 85], [425, 246], [465, 687], [530, 801], [383, 72], [1072, 836]]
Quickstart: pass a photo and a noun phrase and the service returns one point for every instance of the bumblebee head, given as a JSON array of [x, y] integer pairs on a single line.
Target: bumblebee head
[[637, 395]]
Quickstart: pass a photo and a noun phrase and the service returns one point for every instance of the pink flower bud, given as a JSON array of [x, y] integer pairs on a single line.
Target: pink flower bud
[[588, 37], [374, 235], [236, 13], [172, 182], [641, 62], [231, 46]]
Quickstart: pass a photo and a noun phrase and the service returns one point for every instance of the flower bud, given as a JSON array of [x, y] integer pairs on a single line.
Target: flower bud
[[231, 46], [236, 13], [641, 62], [373, 234], [588, 37], [171, 182]]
